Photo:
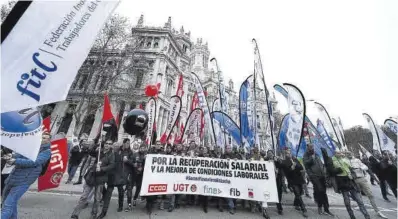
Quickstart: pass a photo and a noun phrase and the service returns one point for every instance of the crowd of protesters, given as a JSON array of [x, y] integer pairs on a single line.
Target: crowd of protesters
[[121, 165]]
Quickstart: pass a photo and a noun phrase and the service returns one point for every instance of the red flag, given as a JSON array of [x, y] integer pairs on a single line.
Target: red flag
[[47, 124], [180, 86], [107, 112], [56, 167]]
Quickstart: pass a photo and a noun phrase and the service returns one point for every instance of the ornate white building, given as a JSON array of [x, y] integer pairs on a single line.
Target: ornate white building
[[162, 54]]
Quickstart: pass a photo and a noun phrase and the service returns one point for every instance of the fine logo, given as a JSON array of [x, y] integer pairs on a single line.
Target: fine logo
[[210, 190]]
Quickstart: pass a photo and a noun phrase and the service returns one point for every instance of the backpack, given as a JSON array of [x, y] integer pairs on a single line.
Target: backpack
[[45, 166]]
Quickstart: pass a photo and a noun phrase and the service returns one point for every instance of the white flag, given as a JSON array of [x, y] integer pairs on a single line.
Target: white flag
[[386, 143], [372, 127], [45, 49], [296, 104]]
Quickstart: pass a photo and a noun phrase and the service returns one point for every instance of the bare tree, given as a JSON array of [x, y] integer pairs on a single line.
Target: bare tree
[[6, 8], [110, 60]]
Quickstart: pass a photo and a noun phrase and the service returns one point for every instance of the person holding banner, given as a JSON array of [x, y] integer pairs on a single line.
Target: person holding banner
[[24, 174], [279, 178], [138, 163], [229, 155], [376, 167], [174, 199], [101, 163]]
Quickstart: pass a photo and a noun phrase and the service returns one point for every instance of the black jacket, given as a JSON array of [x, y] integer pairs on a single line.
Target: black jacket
[[139, 163], [294, 176], [76, 156], [313, 166], [107, 166], [120, 174]]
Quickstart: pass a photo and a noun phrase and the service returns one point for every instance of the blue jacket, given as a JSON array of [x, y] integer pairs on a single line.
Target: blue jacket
[[27, 171]]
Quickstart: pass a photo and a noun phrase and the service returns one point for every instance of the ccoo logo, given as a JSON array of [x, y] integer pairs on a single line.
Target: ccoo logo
[[25, 120]]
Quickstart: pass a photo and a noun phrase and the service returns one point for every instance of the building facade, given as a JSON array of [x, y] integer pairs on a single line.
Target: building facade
[[160, 55]]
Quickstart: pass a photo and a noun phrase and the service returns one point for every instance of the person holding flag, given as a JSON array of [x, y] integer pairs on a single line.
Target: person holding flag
[[24, 174]]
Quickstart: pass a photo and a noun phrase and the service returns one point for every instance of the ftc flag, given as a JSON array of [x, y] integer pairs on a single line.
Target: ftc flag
[[44, 50]]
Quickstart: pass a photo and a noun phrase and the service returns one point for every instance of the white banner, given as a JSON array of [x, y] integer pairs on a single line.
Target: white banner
[[386, 143], [44, 51], [192, 126], [150, 108], [167, 174], [175, 108], [392, 125], [327, 123], [296, 104], [339, 134], [218, 130], [203, 104], [372, 127], [21, 132]]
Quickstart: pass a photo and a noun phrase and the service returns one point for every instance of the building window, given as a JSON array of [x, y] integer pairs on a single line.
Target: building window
[[156, 44], [110, 63], [142, 41], [103, 82], [149, 42], [138, 82], [169, 87]]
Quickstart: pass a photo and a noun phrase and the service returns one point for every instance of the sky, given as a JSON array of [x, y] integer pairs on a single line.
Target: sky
[[343, 54]]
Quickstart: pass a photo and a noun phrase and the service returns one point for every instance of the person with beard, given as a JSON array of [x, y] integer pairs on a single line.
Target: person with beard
[[316, 172], [138, 171], [292, 168], [95, 177], [279, 177], [357, 171], [346, 185], [173, 199], [376, 167], [390, 169]]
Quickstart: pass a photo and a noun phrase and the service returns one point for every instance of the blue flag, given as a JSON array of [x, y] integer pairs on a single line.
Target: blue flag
[[324, 134], [246, 131], [229, 125], [284, 143]]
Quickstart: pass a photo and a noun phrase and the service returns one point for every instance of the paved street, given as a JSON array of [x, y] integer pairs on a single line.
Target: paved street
[[59, 203]]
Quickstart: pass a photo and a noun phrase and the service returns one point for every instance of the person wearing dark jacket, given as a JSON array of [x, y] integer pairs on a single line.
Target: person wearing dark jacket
[[75, 157], [390, 169], [84, 152], [292, 169], [376, 168], [229, 155], [279, 178], [174, 199], [317, 174], [119, 176], [139, 164], [24, 174], [95, 177]]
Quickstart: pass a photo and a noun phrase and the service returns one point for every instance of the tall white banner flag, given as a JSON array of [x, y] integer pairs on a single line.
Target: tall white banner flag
[[339, 134], [45, 49], [296, 104], [375, 135], [150, 108], [386, 143], [203, 105], [174, 112]]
